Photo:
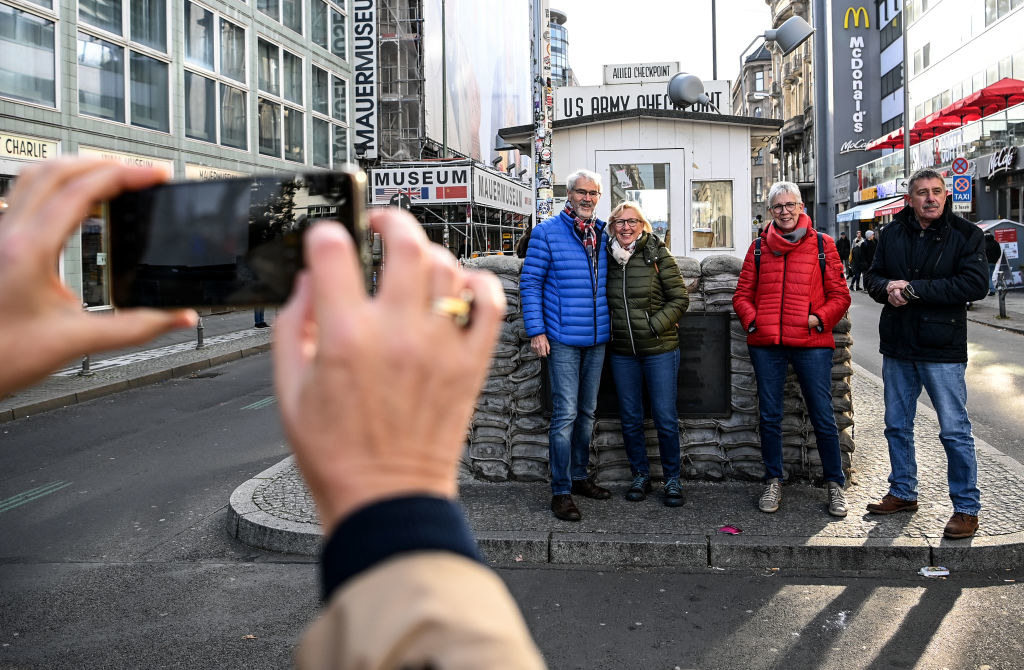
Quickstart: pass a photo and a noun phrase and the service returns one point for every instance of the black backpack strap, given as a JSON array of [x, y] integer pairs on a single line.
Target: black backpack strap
[[757, 256], [821, 258]]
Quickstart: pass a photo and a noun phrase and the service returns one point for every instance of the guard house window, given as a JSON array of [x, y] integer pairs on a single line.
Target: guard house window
[[281, 119], [27, 57], [123, 67], [330, 118], [759, 80], [647, 184], [711, 215], [215, 107]]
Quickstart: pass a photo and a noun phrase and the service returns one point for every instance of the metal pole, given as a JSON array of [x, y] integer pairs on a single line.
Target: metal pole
[[824, 203], [199, 333], [714, 45], [85, 371], [444, 85], [906, 93]]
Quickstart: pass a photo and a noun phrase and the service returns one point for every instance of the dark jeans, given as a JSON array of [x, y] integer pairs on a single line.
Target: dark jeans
[[574, 375], [658, 373], [813, 368]]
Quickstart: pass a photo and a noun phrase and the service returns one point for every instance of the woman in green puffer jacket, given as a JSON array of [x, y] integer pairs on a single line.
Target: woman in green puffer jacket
[[646, 298]]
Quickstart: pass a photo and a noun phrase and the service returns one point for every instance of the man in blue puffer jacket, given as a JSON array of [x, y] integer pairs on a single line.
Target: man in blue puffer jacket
[[562, 294]]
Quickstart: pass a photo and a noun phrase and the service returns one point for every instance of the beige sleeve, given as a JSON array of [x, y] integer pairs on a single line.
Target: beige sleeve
[[426, 609]]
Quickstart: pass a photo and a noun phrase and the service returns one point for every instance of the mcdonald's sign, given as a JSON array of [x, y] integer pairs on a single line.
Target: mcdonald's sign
[[856, 12]]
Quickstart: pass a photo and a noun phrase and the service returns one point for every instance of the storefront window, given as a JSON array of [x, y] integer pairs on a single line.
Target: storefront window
[[647, 185], [27, 63], [94, 263], [711, 218]]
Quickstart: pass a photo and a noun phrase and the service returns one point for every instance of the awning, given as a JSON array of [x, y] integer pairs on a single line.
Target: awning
[[896, 206], [868, 211]]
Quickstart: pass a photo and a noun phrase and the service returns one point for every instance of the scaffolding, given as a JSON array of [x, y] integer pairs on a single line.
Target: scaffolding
[[402, 120]]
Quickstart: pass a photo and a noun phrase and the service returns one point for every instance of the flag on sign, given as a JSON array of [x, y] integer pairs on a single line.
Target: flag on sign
[[444, 192], [422, 193]]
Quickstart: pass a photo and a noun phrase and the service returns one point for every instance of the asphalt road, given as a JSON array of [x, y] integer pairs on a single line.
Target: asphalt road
[[995, 374], [114, 554]]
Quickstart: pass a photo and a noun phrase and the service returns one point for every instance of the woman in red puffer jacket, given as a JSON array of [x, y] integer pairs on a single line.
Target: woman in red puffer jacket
[[790, 294]]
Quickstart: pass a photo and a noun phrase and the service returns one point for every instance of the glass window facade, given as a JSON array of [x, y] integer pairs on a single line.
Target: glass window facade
[[100, 78], [27, 57]]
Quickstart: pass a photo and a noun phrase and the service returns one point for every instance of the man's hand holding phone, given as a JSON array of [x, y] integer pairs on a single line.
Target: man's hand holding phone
[[43, 324]]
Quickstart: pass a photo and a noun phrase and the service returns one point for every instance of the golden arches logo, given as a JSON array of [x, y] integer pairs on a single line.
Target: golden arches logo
[[856, 11]]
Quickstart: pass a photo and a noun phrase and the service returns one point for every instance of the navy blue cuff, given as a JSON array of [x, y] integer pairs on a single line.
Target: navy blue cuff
[[379, 531]]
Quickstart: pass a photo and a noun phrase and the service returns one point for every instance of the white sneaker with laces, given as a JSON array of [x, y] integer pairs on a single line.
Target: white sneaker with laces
[[772, 496]]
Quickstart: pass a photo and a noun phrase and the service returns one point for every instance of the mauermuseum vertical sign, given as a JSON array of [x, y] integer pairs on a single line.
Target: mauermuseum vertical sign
[[364, 30], [856, 83]]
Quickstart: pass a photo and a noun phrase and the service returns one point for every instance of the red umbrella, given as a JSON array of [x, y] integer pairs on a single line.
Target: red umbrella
[[994, 98], [893, 140], [935, 124]]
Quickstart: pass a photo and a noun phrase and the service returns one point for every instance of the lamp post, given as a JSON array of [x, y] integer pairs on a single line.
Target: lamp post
[[793, 32]]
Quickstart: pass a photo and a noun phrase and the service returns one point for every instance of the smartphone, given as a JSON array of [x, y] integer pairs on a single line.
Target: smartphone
[[234, 242]]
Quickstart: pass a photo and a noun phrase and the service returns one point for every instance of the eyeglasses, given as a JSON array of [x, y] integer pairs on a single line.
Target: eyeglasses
[[788, 206], [582, 192], [627, 223]]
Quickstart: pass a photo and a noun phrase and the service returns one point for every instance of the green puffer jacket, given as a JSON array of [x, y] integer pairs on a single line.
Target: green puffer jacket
[[646, 298]]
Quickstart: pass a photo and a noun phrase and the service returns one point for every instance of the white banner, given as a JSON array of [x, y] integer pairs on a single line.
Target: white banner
[[496, 191], [430, 184], [364, 77], [575, 101], [203, 172], [128, 159]]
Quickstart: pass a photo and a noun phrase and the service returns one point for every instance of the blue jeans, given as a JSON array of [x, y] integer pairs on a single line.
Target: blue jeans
[[257, 315], [813, 368], [574, 375], [947, 389], [659, 374]]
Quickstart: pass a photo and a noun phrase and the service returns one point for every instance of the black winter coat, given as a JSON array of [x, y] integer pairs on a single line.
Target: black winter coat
[[843, 247], [953, 271], [646, 299]]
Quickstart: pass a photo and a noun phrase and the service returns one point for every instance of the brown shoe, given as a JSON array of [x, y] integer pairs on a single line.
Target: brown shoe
[[588, 489], [960, 526], [891, 504], [564, 508]]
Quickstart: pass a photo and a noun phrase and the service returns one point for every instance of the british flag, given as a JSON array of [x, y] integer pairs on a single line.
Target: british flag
[[385, 194]]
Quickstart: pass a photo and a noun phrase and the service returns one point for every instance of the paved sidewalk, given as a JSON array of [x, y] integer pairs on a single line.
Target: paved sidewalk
[[513, 524], [226, 337], [987, 311]]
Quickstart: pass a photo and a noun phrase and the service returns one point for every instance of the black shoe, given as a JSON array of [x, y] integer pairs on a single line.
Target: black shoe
[[564, 508], [262, 324], [673, 493], [588, 489], [640, 487]]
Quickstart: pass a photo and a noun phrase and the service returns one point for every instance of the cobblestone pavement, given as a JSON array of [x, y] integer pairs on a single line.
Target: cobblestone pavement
[[516, 514]]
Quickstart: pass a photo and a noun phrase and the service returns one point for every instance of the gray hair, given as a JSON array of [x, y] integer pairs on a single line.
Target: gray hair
[[780, 187], [924, 173], [570, 181]]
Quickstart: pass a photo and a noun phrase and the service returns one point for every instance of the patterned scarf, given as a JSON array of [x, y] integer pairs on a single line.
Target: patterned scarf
[[587, 232]]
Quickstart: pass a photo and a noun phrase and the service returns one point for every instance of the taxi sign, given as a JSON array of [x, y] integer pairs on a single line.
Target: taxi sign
[[960, 165], [962, 188]]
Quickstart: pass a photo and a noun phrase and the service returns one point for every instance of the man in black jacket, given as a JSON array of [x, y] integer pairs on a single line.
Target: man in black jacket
[[843, 247], [928, 265]]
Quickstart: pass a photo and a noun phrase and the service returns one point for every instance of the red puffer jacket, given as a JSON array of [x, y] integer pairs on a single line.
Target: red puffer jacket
[[774, 305]]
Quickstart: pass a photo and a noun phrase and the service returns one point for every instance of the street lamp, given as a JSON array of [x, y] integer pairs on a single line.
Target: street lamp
[[686, 89], [793, 32]]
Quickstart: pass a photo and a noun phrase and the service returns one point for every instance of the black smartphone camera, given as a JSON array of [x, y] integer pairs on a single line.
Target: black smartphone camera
[[235, 241]]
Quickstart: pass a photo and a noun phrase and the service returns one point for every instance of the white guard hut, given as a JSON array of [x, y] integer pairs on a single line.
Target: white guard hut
[[690, 171]]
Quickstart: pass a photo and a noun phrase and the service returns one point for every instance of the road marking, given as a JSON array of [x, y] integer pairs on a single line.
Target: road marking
[[260, 404], [30, 495], [150, 354]]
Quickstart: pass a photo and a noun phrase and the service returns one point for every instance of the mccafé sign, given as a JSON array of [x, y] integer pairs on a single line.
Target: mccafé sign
[[1002, 161]]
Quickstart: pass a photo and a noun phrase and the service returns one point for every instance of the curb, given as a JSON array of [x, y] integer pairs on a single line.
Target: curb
[[134, 375]]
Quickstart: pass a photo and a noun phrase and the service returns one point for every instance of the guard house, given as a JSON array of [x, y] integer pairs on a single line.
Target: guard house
[[690, 171]]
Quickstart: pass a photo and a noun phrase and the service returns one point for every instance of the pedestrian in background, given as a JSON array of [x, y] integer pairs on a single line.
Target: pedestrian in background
[[646, 298], [565, 311], [855, 262], [843, 247], [790, 295], [929, 265], [993, 252], [257, 317]]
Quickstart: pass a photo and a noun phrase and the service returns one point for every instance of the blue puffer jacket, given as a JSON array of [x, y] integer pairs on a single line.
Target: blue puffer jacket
[[559, 293]]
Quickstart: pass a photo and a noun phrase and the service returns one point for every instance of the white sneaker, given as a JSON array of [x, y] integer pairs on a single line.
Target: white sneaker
[[771, 497], [836, 500]]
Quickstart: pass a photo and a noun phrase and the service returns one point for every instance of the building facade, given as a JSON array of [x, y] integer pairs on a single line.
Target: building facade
[[202, 89], [754, 93]]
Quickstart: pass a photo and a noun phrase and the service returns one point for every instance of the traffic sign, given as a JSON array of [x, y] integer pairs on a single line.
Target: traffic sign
[[959, 207], [960, 165], [901, 185], [962, 188]]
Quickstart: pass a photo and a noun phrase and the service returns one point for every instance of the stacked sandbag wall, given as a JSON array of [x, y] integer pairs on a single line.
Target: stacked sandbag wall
[[507, 437]]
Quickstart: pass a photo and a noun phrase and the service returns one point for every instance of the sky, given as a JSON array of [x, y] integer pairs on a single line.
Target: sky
[[637, 31]]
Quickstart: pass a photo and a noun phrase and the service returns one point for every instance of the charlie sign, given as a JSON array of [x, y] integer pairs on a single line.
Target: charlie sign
[[857, 81]]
